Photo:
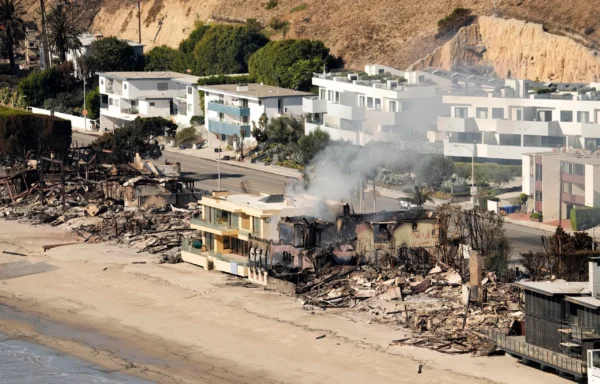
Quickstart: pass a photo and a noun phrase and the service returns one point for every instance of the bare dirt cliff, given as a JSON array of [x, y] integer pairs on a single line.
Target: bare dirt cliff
[[518, 49], [391, 32]]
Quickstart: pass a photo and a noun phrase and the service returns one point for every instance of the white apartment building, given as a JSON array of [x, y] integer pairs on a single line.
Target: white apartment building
[[513, 120], [86, 44], [360, 111], [128, 95], [232, 108]]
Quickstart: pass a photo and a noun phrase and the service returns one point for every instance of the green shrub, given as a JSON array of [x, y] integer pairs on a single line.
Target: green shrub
[[92, 103], [299, 8], [536, 216], [483, 201], [457, 19], [584, 218], [186, 135], [271, 4], [40, 86], [197, 120], [278, 24], [523, 199]]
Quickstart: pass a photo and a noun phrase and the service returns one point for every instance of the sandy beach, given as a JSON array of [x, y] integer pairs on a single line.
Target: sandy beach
[[181, 324]]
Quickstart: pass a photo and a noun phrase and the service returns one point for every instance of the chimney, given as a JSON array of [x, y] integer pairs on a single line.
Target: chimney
[[242, 87], [595, 276]]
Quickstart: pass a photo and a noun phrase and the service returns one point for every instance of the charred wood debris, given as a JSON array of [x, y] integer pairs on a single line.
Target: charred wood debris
[[135, 204]]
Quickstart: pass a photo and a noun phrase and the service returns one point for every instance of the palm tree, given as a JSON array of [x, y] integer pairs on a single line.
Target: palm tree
[[63, 32], [418, 196], [13, 25]]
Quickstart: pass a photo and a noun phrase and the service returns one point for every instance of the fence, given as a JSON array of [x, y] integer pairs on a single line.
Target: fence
[[77, 122], [543, 356]]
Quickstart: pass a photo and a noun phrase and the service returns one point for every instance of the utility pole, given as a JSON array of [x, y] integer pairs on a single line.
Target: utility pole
[[139, 7], [45, 36]]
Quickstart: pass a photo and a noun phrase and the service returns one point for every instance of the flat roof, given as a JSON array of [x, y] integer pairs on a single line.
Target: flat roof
[[557, 287], [268, 202], [87, 39], [256, 91], [586, 301], [573, 156], [163, 75]]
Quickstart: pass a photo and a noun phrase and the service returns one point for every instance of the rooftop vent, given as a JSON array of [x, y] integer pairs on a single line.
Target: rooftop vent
[[242, 87]]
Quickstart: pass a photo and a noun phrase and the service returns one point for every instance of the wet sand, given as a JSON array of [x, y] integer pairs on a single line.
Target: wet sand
[[181, 324]]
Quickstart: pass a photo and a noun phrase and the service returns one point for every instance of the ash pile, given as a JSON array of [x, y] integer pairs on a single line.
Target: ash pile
[[136, 204]]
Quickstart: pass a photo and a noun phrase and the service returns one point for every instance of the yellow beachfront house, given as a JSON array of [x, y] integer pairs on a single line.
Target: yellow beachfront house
[[237, 229]]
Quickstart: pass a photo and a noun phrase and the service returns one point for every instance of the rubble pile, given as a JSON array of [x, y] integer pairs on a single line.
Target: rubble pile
[[431, 307], [132, 204]]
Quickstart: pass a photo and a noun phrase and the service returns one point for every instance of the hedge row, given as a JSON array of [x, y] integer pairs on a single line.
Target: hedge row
[[585, 218], [21, 131]]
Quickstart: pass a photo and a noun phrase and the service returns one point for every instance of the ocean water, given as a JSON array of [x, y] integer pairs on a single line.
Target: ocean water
[[23, 363]]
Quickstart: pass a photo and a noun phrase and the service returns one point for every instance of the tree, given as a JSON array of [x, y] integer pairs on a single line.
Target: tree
[[11, 13], [299, 75], [113, 55], [435, 170], [535, 264], [500, 175], [273, 63], [92, 103], [186, 47], [164, 58], [63, 32], [227, 49], [138, 136], [312, 144], [37, 87], [285, 129], [418, 196]]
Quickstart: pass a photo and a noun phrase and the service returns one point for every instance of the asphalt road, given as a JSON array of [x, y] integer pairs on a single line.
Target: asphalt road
[[205, 172]]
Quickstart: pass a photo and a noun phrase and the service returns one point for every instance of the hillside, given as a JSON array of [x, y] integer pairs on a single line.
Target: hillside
[[392, 32]]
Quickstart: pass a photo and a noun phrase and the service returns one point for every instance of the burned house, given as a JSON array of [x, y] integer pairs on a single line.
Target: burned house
[[408, 235], [562, 325]]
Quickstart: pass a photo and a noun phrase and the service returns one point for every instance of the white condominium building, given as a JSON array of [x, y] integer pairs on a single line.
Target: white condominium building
[[234, 108], [374, 108], [515, 119], [128, 95]]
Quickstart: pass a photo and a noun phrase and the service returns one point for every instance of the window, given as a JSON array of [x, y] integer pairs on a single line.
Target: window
[[498, 113], [110, 101], [567, 188], [223, 137], [330, 95], [511, 140], [163, 86], [370, 102], [482, 113], [101, 81], [322, 94], [256, 226], [245, 119], [414, 227], [566, 167], [538, 196], [259, 102], [544, 115], [469, 137], [583, 117], [189, 90], [125, 86], [226, 242], [566, 116], [361, 101], [461, 112], [279, 105], [378, 104], [519, 115], [152, 104], [393, 105], [337, 97], [538, 172], [579, 169]]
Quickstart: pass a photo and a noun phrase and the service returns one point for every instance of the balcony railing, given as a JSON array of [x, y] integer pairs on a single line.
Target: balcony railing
[[229, 109], [582, 333], [131, 111], [557, 360], [228, 128]]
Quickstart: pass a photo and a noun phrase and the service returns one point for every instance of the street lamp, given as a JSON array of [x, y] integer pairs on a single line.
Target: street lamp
[[472, 172]]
